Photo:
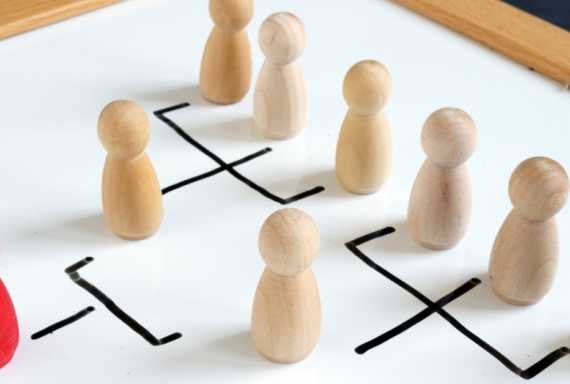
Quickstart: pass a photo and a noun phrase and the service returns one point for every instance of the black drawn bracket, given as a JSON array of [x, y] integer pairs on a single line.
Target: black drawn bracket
[[63, 323], [112, 307], [437, 307], [223, 165]]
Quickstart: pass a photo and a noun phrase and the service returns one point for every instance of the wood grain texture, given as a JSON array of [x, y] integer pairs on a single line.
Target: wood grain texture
[[286, 315], [524, 258], [439, 212], [17, 16], [281, 100], [132, 199], [364, 153], [225, 72], [506, 29], [364, 147]]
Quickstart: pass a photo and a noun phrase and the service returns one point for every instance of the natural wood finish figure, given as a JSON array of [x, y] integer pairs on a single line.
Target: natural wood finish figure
[[225, 74], [364, 147], [286, 316], [281, 102], [524, 259], [439, 211], [132, 199]]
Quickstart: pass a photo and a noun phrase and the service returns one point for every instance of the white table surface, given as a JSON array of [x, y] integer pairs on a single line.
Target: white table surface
[[198, 274]]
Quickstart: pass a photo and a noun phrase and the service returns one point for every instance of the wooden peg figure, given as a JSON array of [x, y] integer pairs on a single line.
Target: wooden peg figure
[[439, 211], [281, 102], [132, 199], [225, 73], [286, 316], [524, 259], [364, 147]]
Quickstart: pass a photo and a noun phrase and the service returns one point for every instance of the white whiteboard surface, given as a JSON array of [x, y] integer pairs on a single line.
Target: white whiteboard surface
[[198, 274]]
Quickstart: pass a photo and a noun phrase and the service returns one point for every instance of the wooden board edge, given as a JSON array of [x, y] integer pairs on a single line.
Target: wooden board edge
[[52, 16], [534, 54]]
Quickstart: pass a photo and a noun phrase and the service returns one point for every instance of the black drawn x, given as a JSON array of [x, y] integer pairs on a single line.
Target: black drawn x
[[437, 307], [223, 165]]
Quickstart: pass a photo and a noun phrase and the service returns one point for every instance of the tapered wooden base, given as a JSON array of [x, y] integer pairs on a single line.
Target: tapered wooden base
[[364, 153], [225, 73], [357, 191], [286, 361], [524, 260], [127, 237], [435, 247], [439, 212], [513, 301], [280, 104], [132, 199], [286, 316]]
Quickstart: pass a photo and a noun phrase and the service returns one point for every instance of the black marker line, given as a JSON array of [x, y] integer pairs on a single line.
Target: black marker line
[[417, 318], [526, 374], [60, 324], [224, 165], [111, 306], [215, 171]]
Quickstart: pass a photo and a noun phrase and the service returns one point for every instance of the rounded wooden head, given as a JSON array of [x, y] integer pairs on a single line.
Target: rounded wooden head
[[123, 129], [449, 137], [289, 241], [538, 188], [367, 87], [282, 37], [231, 15]]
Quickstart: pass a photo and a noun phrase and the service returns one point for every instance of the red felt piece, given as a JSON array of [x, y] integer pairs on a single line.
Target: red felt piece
[[9, 333]]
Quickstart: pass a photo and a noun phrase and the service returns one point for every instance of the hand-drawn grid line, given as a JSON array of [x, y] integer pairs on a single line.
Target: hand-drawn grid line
[[438, 307], [223, 165], [113, 308], [63, 323]]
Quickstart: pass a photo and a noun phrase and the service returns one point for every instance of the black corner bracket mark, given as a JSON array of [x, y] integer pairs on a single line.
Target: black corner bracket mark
[[60, 324], [111, 306], [223, 165], [438, 307]]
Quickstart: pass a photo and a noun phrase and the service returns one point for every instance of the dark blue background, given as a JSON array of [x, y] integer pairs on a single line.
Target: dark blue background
[[556, 12]]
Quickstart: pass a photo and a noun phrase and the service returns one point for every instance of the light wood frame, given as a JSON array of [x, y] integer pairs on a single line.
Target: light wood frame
[[519, 35], [17, 16]]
